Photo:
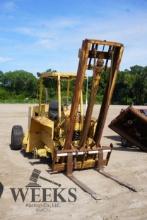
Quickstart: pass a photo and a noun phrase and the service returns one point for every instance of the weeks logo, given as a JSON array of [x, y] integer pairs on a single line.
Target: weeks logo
[[33, 195]]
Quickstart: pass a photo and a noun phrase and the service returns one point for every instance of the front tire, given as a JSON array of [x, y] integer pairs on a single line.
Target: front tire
[[16, 137]]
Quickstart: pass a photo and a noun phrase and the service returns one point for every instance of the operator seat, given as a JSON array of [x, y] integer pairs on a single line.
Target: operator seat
[[53, 110]]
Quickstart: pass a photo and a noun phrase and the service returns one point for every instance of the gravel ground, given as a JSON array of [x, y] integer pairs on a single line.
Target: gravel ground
[[116, 202]]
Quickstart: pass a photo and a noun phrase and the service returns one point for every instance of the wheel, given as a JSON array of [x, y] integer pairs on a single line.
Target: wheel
[[125, 143], [16, 137], [1, 189]]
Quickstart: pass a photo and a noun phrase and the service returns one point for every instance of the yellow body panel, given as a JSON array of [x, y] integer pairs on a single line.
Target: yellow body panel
[[40, 134]]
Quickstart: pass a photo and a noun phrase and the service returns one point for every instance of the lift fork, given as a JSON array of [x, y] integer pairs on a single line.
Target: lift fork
[[84, 187]]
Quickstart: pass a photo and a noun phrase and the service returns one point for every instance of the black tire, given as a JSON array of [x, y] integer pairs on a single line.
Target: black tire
[[125, 143], [1, 189], [16, 137]]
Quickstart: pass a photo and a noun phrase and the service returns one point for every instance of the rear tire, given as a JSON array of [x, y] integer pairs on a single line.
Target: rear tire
[[16, 137]]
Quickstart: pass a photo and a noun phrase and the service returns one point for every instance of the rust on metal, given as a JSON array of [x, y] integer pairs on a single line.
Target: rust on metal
[[114, 178], [85, 188], [116, 58], [90, 58], [77, 91], [69, 164], [94, 88], [131, 124]]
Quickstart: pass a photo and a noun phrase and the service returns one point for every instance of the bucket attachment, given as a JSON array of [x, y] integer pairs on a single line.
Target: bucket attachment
[[131, 124]]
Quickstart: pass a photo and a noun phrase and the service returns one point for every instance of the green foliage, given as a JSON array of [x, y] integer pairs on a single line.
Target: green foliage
[[19, 82], [17, 86], [21, 86], [131, 86], [4, 94]]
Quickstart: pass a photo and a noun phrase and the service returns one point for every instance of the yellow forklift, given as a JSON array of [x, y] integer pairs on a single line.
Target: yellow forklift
[[66, 134]]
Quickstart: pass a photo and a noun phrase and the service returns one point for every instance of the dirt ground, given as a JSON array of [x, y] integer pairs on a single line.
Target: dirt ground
[[116, 202]]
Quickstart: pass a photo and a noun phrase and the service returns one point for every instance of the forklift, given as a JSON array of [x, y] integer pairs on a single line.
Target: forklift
[[65, 133]]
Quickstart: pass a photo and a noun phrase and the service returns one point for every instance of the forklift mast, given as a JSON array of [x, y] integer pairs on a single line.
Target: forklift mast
[[94, 55]]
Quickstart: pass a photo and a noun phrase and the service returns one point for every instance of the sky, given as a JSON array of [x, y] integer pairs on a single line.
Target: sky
[[36, 35]]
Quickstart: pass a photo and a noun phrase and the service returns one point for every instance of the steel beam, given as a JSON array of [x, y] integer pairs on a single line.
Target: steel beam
[[118, 51], [77, 92], [95, 84]]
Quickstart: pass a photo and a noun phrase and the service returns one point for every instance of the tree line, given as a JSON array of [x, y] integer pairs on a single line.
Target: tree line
[[21, 87], [17, 86]]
